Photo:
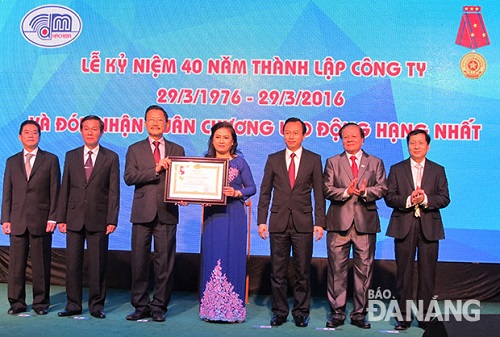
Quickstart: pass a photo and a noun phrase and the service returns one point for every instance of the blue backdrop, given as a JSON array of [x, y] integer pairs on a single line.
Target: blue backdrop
[[391, 66]]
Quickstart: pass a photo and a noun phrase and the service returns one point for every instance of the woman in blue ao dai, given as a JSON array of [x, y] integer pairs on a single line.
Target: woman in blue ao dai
[[224, 237]]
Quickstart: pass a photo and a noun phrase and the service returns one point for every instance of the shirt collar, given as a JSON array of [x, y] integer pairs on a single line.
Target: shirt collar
[[298, 152], [357, 155], [94, 151], [161, 140], [34, 152], [413, 163]]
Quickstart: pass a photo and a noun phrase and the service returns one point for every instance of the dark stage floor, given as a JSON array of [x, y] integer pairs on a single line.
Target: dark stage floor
[[182, 320]]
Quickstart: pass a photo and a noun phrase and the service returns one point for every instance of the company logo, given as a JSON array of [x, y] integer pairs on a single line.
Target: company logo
[[51, 26], [382, 307]]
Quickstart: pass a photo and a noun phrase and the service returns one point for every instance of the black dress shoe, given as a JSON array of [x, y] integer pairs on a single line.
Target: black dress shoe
[[42, 311], [15, 311], [334, 322], [423, 325], [401, 326], [98, 314], [361, 323], [66, 313], [278, 320], [158, 316], [137, 315], [301, 321]]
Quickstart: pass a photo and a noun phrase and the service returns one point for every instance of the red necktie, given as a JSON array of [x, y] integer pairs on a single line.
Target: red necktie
[[88, 165], [156, 152], [354, 167], [291, 170]]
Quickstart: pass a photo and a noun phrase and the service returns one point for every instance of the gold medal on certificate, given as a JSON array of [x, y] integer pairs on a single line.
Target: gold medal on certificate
[[472, 34]]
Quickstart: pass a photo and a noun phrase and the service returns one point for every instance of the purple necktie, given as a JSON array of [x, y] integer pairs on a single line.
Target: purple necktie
[[88, 165]]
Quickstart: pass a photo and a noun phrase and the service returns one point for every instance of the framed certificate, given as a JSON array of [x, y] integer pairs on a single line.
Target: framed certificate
[[196, 180]]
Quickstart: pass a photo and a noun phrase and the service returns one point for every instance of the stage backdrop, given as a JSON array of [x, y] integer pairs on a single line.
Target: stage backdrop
[[391, 66]]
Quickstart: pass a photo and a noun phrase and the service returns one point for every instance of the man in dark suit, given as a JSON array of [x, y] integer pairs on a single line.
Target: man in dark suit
[[290, 175], [88, 210], [151, 217], [353, 182], [417, 190], [30, 190]]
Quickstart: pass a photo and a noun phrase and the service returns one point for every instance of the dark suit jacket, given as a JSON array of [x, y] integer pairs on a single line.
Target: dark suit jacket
[[30, 204], [400, 186], [149, 187], [297, 200], [363, 211], [95, 203]]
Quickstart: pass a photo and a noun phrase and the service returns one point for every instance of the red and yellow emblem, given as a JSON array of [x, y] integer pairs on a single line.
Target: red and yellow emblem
[[472, 34], [473, 65]]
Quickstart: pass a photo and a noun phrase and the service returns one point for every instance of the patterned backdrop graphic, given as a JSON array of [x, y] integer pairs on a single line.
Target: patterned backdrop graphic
[[390, 66]]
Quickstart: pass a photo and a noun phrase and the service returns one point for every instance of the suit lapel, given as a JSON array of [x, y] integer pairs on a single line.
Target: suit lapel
[[425, 175], [20, 163], [166, 148], [302, 164], [363, 163], [99, 161], [80, 165], [346, 165], [303, 167], [39, 159], [409, 175], [282, 167], [148, 152]]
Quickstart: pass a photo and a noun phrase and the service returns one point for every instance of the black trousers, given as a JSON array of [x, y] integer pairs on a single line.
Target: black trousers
[[427, 256], [164, 236], [97, 254], [39, 249], [301, 245]]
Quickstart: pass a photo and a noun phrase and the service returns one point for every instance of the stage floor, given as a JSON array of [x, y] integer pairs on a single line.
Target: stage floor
[[182, 319]]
